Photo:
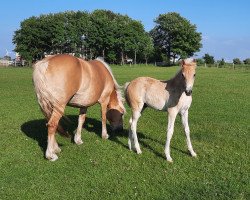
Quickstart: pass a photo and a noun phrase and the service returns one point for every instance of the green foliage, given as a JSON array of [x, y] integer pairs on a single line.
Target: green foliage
[[208, 59], [106, 169], [200, 61], [247, 61], [176, 36], [107, 34], [236, 61], [221, 62]]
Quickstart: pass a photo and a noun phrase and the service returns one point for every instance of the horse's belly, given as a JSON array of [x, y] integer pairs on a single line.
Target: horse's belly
[[83, 100]]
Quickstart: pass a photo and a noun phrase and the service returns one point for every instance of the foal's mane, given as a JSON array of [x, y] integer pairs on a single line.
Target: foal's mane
[[117, 86]]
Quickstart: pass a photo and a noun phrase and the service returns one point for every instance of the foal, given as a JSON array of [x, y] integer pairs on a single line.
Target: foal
[[173, 96]]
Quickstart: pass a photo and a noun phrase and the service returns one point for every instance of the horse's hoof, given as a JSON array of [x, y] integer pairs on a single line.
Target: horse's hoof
[[58, 150], [170, 160], [52, 157]]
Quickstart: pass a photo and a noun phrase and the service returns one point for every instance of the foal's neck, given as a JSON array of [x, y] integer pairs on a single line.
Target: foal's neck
[[177, 83]]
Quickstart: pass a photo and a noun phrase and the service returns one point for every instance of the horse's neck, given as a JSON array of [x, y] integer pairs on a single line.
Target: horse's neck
[[176, 83], [113, 100]]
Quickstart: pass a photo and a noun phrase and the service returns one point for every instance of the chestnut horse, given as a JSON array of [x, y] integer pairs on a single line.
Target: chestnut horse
[[62, 80], [173, 96]]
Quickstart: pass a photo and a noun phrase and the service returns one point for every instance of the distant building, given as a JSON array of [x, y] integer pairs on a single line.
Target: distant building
[[5, 62]]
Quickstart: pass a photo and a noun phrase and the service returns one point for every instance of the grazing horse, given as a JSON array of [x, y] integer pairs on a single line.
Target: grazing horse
[[62, 80], [173, 96]]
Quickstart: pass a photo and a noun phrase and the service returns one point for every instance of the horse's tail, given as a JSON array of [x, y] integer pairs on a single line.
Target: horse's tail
[[47, 102], [41, 89]]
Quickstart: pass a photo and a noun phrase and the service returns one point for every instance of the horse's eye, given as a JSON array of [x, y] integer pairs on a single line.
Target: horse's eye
[[194, 75]]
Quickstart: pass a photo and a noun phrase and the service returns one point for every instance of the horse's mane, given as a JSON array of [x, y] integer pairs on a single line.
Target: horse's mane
[[117, 86]]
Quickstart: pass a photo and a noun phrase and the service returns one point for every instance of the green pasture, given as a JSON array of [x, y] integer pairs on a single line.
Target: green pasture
[[106, 169]]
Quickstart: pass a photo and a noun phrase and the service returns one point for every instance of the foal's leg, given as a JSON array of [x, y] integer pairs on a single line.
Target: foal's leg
[[133, 136], [52, 147], [184, 118], [104, 121], [171, 119], [81, 120]]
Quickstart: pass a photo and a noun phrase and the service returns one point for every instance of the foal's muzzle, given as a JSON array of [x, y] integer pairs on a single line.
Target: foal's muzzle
[[117, 128], [188, 92]]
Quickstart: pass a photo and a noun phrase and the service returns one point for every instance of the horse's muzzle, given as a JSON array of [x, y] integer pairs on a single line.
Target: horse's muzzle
[[188, 92]]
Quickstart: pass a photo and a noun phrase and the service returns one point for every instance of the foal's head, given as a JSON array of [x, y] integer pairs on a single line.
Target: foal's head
[[188, 73], [116, 111]]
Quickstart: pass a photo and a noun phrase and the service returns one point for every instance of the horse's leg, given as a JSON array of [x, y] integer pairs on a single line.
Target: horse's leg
[[81, 120], [184, 118], [104, 120], [52, 147], [171, 119], [133, 136]]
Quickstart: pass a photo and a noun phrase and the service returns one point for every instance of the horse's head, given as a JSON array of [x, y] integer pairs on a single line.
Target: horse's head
[[116, 111], [188, 73]]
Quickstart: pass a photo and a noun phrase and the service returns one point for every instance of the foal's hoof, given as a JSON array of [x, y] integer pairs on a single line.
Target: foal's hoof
[[194, 155], [106, 136], [78, 141], [138, 151]]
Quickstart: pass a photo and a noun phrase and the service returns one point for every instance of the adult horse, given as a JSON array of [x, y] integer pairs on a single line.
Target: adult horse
[[173, 96], [62, 80]]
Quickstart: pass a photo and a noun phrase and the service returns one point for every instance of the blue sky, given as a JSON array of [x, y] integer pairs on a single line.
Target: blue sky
[[224, 24]]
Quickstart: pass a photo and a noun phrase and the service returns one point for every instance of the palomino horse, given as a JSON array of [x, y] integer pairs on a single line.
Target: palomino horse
[[62, 80], [173, 96]]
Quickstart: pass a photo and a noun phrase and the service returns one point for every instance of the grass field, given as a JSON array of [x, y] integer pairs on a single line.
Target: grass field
[[220, 132]]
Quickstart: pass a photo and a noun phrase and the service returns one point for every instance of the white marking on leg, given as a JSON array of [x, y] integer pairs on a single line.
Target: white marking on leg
[[171, 120], [135, 118], [104, 121], [50, 152], [81, 120], [130, 137], [184, 118]]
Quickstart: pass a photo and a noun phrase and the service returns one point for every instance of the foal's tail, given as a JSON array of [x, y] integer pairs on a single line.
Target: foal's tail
[[125, 91]]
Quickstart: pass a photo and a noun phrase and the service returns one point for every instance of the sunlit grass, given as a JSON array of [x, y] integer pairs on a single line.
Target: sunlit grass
[[219, 122]]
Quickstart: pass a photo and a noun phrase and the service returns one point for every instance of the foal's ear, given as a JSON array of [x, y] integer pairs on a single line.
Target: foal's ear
[[182, 62]]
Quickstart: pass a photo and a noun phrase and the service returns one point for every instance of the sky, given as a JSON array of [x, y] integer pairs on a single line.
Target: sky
[[224, 24]]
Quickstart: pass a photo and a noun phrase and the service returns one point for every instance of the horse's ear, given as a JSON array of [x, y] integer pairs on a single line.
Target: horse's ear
[[194, 60]]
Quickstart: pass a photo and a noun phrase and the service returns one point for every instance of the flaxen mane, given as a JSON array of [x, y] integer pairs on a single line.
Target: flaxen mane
[[117, 86]]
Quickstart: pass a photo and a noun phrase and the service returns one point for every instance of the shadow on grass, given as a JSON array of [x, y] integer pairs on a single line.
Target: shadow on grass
[[37, 130]]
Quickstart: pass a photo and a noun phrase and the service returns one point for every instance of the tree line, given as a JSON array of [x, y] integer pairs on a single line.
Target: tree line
[[113, 36], [209, 59]]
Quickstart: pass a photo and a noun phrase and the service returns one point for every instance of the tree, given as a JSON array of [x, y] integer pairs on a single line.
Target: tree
[[208, 59], [176, 36], [200, 61], [236, 61], [246, 61], [222, 62]]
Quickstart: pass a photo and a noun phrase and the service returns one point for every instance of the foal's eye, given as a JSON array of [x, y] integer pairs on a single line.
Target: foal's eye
[[194, 75]]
